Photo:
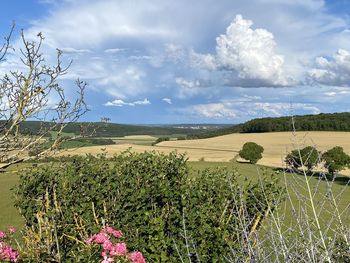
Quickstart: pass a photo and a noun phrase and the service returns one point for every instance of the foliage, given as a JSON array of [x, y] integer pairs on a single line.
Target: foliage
[[320, 122], [215, 133], [336, 159], [216, 207], [251, 151], [148, 196], [309, 156], [342, 248], [161, 139]]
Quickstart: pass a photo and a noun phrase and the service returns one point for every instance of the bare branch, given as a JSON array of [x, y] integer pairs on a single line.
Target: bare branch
[[6, 45], [35, 94]]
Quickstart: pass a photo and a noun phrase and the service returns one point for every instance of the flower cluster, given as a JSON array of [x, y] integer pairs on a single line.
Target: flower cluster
[[111, 250], [7, 253]]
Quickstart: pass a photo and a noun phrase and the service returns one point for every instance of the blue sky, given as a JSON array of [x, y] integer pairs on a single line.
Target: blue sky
[[206, 61]]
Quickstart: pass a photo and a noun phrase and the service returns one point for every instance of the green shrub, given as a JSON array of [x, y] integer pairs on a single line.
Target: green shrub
[[216, 206], [148, 196], [251, 152], [161, 139]]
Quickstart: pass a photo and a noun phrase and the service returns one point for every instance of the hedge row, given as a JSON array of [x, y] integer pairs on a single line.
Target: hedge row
[[149, 196]]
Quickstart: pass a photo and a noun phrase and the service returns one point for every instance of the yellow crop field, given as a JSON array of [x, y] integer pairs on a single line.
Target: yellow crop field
[[193, 154], [137, 137], [224, 148]]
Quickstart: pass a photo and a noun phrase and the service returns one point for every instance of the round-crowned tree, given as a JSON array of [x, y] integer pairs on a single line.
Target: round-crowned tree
[[309, 157], [251, 151], [336, 159]]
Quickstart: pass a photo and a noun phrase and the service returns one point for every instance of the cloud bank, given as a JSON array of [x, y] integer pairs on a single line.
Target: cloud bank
[[279, 51]]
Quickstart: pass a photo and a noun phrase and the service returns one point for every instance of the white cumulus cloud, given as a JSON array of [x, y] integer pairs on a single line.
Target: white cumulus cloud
[[250, 53], [247, 55], [334, 71]]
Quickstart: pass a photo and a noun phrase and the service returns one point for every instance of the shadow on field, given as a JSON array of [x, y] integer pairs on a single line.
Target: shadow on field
[[339, 179]]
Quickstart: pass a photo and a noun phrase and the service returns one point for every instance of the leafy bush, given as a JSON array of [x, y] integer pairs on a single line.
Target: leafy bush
[[216, 207], [336, 159], [148, 196], [309, 157], [251, 152]]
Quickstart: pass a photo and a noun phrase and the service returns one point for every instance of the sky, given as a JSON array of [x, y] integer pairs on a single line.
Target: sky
[[199, 61]]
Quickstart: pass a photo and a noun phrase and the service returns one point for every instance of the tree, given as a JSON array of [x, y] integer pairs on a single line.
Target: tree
[[308, 157], [251, 152], [336, 160], [32, 92]]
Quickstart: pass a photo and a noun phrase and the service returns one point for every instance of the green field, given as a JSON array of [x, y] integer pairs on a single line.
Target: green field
[[297, 190], [9, 216]]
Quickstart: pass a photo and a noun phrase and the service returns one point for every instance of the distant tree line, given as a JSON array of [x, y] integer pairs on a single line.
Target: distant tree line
[[320, 122], [215, 133]]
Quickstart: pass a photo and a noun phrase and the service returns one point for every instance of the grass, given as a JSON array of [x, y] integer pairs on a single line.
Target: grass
[[75, 144], [63, 134], [9, 216], [296, 188]]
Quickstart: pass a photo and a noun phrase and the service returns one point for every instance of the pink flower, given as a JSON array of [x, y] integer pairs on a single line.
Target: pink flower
[[114, 232], [101, 237], [118, 249], [107, 245], [2, 234], [107, 260], [12, 229], [8, 253], [137, 257]]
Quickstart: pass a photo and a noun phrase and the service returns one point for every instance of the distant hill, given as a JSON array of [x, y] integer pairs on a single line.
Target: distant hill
[[319, 122], [119, 130]]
